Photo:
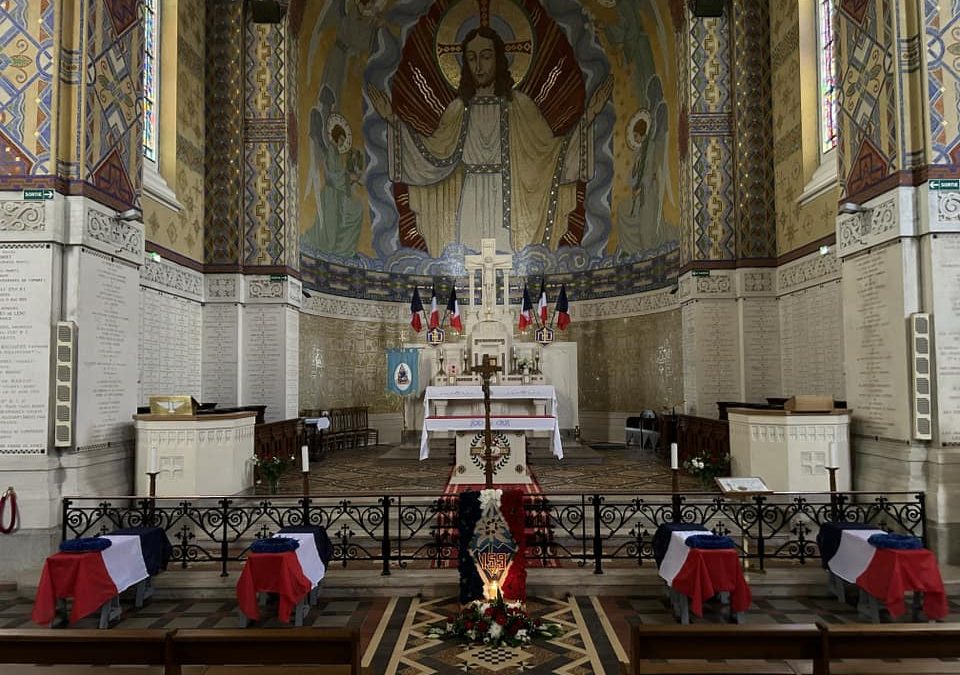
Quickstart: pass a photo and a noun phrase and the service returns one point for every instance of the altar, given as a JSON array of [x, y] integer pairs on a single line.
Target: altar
[[533, 392], [515, 411]]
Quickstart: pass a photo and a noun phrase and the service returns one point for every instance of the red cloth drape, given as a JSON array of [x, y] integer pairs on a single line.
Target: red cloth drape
[[81, 576], [893, 572], [707, 572], [273, 573], [515, 585]]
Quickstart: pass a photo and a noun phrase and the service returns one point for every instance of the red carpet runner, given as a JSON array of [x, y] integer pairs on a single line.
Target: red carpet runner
[[539, 534]]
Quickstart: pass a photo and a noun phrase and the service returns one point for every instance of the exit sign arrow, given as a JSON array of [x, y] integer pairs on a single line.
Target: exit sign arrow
[[37, 195]]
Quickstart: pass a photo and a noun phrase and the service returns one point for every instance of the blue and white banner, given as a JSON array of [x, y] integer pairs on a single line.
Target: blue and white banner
[[403, 366]]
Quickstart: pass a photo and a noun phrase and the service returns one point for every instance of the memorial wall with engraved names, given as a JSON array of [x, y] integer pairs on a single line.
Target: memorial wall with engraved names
[[221, 340], [711, 353], [811, 341], [945, 266], [760, 335], [171, 330], [108, 332], [26, 277], [264, 359], [876, 305]]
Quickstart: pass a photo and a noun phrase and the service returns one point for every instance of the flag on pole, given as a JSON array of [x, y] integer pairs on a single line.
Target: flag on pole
[[454, 308], [542, 304], [434, 311], [416, 307], [526, 311], [563, 309]]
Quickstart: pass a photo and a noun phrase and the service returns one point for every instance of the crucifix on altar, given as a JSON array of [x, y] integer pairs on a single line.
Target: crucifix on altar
[[488, 262], [486, 371]]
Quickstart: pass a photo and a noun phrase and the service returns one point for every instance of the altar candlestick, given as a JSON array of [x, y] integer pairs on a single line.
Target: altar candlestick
[[153, 461], [674, 456], [834, 460], [305, 458]]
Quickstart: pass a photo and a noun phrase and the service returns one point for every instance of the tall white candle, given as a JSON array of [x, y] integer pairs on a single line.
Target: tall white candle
[[674, 456], [834, 458], [153, 460], [305, 458]]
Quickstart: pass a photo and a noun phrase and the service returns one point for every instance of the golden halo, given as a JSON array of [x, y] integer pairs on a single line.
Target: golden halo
[[338, 120], [506, 17]]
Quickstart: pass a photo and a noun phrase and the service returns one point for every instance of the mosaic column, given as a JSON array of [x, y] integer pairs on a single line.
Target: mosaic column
[[898, 237], [71, 245]]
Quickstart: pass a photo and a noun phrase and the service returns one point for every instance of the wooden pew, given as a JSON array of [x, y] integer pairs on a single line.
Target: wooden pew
[[337, 650], [891, 641], [803, 642], [84, 647]]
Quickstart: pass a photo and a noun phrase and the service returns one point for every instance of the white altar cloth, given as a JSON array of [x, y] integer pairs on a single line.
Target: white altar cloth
[[497, 391], [497, 423]]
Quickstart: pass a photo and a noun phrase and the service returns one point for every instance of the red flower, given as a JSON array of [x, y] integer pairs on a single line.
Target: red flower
[[468, 624], [501, 618], [512, 630], [488, 611], [483, 627]]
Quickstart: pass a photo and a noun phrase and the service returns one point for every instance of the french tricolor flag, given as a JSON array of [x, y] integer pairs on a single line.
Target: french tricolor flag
[[884, 573], [453, 307], [434, 321], [526, 311], [542, 305]]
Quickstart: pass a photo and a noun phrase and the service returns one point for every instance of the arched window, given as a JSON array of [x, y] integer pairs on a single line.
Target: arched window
[[159, 101], [827, 76], [151, 80]]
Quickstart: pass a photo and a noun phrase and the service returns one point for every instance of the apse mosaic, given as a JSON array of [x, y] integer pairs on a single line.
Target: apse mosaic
[[428, 125]]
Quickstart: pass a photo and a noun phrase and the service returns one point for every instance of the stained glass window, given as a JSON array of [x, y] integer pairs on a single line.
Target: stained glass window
[[828, 76], [151, 29]]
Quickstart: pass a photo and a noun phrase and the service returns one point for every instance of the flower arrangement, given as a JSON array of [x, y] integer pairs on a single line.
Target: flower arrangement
[[270, 469], [497, 623], [706, 467]]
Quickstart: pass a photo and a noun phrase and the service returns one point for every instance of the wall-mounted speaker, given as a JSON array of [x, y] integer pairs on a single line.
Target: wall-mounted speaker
[[920, 351], [707, 8], [266, 11], [65, 343]]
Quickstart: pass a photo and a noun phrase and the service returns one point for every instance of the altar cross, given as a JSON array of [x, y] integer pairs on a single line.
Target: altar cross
[[486, 370], [488, 262]]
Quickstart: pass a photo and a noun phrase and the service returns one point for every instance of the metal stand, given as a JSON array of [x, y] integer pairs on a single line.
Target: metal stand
[[834, 504], [676, 495], [153, 482]]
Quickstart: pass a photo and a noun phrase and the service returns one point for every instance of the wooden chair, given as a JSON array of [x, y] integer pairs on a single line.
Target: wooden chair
[[83, 647], [337, 650], [701, 642]]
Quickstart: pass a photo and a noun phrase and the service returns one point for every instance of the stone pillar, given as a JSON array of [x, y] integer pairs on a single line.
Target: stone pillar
[[728, 238], [68, 256], [251, 318], [897, 236]]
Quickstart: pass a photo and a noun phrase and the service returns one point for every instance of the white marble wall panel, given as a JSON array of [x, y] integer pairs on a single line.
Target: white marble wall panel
[[938, 210], [170, 345], [944, 304], [760, 348], [292, 363], [711, 341], [879, 292], [221, 351], [891, 215], [108, 332], [26, 285], [262, 356], [811, 341]]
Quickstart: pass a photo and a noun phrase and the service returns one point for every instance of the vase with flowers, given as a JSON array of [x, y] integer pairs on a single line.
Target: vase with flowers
[[707, 468], [269, 470]]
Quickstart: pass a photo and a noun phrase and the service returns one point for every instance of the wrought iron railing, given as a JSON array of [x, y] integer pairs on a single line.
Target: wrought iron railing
[[585, 529]]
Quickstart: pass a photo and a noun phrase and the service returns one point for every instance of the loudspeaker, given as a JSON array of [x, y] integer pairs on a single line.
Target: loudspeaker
[[63, 400], [920, 367], [266, 11], [707, 8]]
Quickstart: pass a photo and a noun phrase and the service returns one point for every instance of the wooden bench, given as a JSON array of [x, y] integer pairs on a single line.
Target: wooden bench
[[891, 641], [84, 647], [698, 643], [336, 650]]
